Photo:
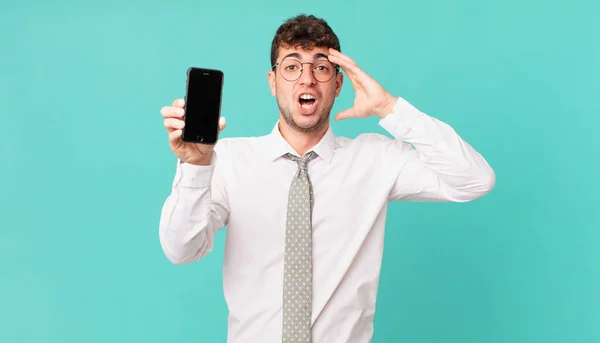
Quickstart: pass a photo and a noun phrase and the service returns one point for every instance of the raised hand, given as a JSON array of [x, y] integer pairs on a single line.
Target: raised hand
[[198, 154], [371, 98]]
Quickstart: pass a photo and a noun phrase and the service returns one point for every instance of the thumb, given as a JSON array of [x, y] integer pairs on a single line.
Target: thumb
[[222, 123], [349, 113]]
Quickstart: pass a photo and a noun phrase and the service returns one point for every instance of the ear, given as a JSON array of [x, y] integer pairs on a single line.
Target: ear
[[339, 80], [272, 82]]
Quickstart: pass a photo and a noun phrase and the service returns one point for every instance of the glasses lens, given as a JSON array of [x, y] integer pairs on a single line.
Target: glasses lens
[[323, 70], [291, 69]]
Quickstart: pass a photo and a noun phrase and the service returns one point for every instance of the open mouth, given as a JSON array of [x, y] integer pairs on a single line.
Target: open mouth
[[307, 103]]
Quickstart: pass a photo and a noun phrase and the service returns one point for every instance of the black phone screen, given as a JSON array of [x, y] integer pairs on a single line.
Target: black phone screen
[[202, 105]]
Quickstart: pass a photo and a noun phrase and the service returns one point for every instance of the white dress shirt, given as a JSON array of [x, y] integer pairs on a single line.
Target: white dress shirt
[[246, 189]]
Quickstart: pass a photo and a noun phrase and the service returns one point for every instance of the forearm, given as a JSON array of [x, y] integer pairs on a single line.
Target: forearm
[[186, 229], [443, 167]]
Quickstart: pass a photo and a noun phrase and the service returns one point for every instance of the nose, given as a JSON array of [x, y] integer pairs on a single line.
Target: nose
[[307, 77]]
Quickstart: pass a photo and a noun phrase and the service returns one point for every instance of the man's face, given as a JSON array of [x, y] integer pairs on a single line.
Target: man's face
[[305, 103]]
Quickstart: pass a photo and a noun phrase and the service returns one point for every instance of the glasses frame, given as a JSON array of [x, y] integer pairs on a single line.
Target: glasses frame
[[335, 67]]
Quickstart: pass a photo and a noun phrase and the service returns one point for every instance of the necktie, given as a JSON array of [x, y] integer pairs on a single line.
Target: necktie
[[297, 278]]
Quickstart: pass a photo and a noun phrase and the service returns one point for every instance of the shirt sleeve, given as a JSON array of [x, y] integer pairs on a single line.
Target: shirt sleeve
[[194, 211], [428, 161]]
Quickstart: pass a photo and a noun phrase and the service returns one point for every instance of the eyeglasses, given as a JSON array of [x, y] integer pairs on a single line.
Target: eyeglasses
[[322, 70]]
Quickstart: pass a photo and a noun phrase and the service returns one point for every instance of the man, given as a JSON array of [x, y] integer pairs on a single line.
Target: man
[[305, 209]]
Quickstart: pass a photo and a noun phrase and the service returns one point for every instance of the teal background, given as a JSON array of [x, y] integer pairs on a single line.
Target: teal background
[[85, 164]]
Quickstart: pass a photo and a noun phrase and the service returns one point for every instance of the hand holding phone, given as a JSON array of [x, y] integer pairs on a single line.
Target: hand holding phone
[[198, 150]]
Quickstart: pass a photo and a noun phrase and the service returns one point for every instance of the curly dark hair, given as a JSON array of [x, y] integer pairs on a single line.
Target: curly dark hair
[[305, 31]]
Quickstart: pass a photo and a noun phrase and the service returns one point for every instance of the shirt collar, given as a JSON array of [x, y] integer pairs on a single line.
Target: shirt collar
[[278, 146]]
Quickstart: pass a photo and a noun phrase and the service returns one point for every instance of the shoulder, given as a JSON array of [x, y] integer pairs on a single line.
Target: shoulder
[[240, 146]]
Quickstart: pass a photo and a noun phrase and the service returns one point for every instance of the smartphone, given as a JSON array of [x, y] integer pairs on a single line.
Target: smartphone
[[203, 94]]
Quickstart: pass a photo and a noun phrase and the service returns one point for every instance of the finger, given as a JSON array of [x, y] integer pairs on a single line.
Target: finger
[[341, 56], [179, 103], [349, 113], [350, 69], [340, 61], [172, 112], [222, 123], [175, 135], [173, 124]]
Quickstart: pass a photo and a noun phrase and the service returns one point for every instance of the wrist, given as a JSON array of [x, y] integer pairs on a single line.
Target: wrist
[[387, 106], [205, 160]]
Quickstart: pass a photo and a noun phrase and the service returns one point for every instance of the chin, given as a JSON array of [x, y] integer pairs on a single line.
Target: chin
[[305, 119], [311, 122]]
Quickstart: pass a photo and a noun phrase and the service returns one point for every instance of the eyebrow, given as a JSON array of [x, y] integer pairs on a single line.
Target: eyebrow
[[298, 56]]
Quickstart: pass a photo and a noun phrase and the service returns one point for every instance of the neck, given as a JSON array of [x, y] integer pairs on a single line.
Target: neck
[[302, 142]]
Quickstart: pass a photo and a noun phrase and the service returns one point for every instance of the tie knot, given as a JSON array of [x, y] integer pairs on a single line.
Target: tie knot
[[302, 161]]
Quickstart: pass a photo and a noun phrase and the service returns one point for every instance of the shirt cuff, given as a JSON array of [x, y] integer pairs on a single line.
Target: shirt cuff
[[191, 175], [402, 120]]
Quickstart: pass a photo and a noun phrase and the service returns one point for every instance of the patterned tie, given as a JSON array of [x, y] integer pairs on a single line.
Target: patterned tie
[[297, 278]]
